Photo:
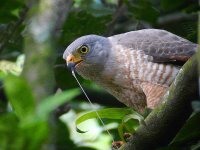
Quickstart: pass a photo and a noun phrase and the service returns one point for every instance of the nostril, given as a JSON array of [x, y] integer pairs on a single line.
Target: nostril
[[70, 59]]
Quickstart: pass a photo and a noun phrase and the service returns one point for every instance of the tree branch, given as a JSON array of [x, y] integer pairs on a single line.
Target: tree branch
[[121, 8], [45, 17], [166, 120], [176, 17]]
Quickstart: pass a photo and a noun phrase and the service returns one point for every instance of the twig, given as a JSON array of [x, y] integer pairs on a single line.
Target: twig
[[121, 8]]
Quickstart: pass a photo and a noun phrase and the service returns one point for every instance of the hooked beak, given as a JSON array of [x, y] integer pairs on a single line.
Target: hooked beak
[[72, 61]]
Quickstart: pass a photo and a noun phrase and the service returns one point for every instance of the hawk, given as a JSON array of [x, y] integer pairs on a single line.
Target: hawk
[[136, 67]]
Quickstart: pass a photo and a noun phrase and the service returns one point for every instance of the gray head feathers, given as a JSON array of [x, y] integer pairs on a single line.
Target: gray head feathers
[[92, 41]]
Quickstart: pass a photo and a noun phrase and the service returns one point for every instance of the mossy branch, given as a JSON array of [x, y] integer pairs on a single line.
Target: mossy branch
[[165, 121], [45, 17]]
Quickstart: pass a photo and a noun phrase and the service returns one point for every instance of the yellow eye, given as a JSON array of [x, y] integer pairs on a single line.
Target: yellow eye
[[84, 49]]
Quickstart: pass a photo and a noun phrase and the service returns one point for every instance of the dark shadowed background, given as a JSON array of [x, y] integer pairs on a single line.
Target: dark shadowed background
[[39, 100]]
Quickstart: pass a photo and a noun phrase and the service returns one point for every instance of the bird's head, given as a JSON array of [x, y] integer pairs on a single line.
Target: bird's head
[[87, 54]]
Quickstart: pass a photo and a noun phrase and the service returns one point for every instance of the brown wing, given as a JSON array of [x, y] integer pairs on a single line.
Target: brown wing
[[163, 46], [151, 50]]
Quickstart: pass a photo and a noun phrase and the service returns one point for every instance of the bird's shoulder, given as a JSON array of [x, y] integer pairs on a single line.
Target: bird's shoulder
[[162, 45]]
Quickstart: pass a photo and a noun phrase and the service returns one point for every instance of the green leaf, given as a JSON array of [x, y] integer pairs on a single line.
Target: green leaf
[[10, 67], [9, 130], [7, 11], [132, 121], [35, 134], [7, 121], [135, 116], [131, 125], [49, 104], [109, 113], [20, 96], [120, 131], [2, 75]]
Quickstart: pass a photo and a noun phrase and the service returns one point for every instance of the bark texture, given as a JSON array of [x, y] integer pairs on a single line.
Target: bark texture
[[44, 20]]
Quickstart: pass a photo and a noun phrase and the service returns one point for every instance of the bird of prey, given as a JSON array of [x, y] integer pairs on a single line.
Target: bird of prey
[[136, 67]]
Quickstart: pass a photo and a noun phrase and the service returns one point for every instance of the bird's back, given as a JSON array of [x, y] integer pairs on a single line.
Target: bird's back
[[160, 44]]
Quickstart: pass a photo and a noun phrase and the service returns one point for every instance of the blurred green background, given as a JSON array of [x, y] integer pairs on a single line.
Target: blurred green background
[[50, 123]]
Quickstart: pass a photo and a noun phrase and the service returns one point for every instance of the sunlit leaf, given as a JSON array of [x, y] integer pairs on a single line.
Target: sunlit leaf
[[20, 96], [135, 116], [109, 113], [10, 67], [80, 131]]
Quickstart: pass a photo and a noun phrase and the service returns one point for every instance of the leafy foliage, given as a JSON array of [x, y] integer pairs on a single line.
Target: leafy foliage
[[27, 119], [10, 12], [143, 10], [23, 104]]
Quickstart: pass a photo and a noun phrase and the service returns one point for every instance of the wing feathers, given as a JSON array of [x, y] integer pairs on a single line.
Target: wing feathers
[[162, 45]]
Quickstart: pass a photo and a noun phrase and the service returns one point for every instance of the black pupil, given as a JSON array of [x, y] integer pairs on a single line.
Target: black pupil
[[84, 49]]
